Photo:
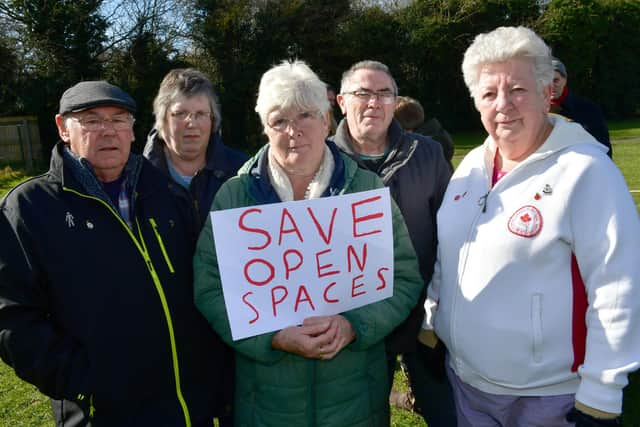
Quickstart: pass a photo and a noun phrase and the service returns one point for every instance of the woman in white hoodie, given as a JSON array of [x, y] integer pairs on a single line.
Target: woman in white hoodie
[[536, 290]]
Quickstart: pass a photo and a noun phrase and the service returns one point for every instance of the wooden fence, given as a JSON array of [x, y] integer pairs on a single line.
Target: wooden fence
[[20, 140]]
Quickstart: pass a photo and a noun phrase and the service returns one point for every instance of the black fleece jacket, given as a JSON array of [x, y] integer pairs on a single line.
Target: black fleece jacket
[[97, 314]]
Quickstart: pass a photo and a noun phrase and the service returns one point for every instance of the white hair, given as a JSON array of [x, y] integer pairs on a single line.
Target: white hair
[[291, 86], [504, 44]]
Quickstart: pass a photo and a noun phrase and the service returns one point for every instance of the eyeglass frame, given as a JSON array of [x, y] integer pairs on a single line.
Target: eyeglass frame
[[103, 122], [292, 123], [386, 97], [195, 116]]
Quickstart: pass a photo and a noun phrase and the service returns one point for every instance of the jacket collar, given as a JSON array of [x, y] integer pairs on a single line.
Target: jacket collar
[[565, 133], [401, 146], [343, 139], [77, 173]]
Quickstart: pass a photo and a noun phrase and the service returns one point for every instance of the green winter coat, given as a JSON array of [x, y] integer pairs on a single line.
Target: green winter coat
[[279, 389]]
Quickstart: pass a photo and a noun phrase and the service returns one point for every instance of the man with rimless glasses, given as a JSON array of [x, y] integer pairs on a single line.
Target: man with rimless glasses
[[416, 172], [96, 294]]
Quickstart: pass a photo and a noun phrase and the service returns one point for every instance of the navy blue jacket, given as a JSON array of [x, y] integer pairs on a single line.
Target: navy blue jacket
[[588, 114], [98, 315]]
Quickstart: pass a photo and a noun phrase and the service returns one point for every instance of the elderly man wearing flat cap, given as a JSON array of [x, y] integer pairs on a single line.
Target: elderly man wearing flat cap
[[576, 108], [96, 299]]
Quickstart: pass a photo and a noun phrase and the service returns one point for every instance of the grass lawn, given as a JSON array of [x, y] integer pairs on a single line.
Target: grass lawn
[[21, 405], [627, 156], [624, 129], [9, 177]]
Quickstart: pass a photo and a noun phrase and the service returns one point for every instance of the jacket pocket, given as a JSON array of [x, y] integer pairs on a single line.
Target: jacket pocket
[[536, 327]]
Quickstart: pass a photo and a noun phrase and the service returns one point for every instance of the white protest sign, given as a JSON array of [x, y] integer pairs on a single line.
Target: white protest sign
[[281, 263]]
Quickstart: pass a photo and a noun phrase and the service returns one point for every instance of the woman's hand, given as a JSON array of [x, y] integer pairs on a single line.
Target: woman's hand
[[307, 340], [319, 337], [340, 331]]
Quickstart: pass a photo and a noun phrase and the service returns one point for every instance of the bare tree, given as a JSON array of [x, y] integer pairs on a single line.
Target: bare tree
[[168, 21]]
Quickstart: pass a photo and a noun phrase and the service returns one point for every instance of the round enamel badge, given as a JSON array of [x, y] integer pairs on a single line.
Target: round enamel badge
[[526, 221]]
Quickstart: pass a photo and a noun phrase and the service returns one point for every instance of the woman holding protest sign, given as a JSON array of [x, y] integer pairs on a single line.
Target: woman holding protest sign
[[329, 370]]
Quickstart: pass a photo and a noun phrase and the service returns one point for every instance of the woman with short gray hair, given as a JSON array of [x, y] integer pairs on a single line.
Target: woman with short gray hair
[[536, 290], [329, 371], [504, 44]]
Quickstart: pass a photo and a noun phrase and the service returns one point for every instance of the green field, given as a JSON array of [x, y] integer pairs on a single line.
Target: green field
[[9, 177], [21, 405]]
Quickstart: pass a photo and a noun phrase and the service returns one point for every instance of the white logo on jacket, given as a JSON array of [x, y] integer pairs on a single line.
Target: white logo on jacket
[[69, 220], [526, 221]]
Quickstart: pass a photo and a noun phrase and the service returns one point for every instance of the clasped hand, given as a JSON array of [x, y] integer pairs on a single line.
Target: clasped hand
[[320, 337]]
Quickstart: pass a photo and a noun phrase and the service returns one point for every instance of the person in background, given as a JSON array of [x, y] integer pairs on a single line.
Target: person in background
[[416, 172], [331, 96], [536, 290], [577, 108], [410, 114], [96, 283], [186, 142], [331, 370]]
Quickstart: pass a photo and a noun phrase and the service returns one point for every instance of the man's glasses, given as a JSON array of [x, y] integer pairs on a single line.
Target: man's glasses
[[385, 96], [301, 120], [197, 116], [93, 123]]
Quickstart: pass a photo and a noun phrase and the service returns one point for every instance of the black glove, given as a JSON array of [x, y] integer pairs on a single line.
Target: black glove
[[583, 420], [433, 359]]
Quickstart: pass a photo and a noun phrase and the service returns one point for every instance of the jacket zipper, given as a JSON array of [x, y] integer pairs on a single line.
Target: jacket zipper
[[461, 267], [154, 226], [141, 246]]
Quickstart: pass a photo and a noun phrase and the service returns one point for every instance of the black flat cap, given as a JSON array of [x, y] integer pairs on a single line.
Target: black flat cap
[[90, 94]]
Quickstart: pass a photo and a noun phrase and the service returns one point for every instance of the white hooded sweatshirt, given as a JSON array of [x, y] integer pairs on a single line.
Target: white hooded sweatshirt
[[508, 297]]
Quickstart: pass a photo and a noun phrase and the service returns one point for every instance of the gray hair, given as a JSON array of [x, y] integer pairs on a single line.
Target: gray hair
[[503, 44], [345, 84], [291, 86], [184, 82]]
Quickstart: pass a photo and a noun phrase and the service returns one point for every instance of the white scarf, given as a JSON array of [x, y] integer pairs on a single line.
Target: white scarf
[[316, 187]]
